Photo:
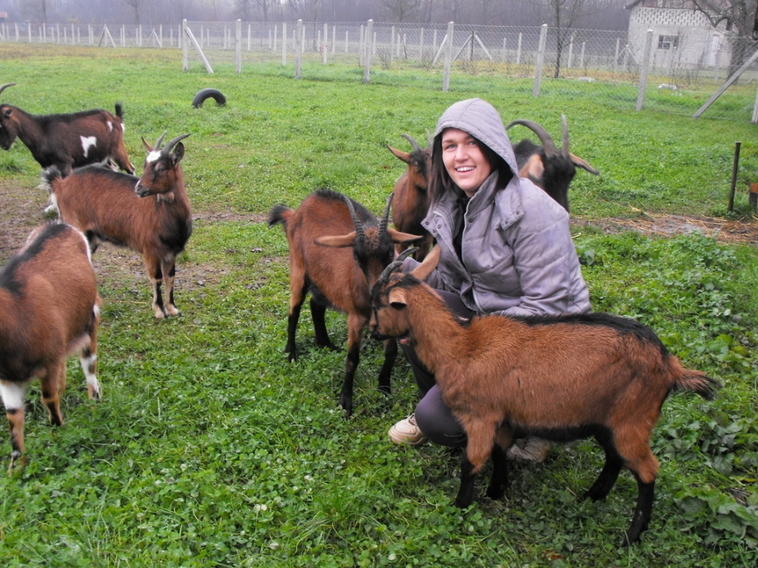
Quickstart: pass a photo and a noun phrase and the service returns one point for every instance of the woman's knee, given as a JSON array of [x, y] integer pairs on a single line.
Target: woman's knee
[[437, 422]]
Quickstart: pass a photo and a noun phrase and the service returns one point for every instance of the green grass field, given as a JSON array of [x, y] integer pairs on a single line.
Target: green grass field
[[210, 449]]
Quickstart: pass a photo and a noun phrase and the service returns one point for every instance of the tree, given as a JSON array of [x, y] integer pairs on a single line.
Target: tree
[[562, 16], [739, 18], [401, 10], [136, 5], [35, 10]]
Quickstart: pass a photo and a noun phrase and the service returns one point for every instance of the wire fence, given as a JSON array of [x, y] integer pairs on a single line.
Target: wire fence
[[677, 74]]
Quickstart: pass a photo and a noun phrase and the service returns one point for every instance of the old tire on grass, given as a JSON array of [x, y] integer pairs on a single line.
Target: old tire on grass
[[205, 94]]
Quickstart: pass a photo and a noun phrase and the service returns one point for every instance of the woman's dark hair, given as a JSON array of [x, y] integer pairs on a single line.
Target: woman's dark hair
[[440, 181]]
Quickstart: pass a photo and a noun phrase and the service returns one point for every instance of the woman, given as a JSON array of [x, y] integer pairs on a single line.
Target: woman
[[505, 249]]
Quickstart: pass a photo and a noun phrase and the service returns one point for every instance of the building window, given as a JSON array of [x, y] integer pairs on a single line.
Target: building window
[[668, 42]]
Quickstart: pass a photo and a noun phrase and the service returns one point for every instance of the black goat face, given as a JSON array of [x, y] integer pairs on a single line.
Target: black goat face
[[7, 128]]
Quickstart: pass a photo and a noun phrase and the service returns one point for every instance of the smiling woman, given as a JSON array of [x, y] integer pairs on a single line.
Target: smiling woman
[[505, 249]]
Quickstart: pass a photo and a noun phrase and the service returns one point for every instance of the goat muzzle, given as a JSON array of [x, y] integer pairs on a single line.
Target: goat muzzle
[[141, 190]]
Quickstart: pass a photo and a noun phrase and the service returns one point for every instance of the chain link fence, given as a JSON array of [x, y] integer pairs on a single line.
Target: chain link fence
[[678, 76]]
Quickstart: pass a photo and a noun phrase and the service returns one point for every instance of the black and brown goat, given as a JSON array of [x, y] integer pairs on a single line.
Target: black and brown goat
[[411, 202], [150, 215], [545, 165], [559, 378], [67, 141], [337, 250], [48, 310]]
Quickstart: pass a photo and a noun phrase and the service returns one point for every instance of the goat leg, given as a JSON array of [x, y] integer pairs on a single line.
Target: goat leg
[[466, 491], [499, 479], [385, 375], [607, 478], [318, 314], [16, 422], [355, 326], [642, 514], [169, 273]]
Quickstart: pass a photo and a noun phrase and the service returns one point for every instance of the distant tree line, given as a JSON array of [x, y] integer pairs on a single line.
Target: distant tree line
[[588, 14]]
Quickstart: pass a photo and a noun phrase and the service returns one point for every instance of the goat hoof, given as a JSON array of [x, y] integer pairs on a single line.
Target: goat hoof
[[496, 492], [204, 94]]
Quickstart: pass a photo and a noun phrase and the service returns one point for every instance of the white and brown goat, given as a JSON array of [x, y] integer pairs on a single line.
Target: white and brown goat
[[48, 310], [337, 250], [411, 202], [559, 378], [545, 165], [150, 215], [67, 141]]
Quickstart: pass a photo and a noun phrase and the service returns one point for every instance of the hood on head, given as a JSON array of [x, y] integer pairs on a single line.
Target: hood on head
[[480, 119]]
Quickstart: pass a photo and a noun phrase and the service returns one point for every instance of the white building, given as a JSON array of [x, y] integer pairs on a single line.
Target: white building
[[683, 38]]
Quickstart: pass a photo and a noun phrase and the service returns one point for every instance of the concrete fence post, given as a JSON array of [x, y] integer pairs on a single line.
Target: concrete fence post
[[448, 56], [540, 62], [368, 49], [298, 47], [644, 70]]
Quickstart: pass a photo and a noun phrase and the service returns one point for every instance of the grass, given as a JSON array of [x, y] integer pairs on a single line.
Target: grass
[[209, 449]]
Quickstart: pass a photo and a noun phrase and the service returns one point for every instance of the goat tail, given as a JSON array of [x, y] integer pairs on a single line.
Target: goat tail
[[280, 214], [120, 111], [697, 382], [49, 176]]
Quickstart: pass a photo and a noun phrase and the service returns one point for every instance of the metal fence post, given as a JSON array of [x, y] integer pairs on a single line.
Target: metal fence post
[[238, 46], [644, 70], [367, 55], [298, 47], [448, 56], [540, 62]]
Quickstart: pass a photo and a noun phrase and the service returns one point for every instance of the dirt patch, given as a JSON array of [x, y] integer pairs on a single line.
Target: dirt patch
[[723, 230]]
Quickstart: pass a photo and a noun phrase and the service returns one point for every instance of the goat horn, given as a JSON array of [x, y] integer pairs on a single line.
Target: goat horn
[[167, 148], [414, 144], [6, 86], [395, 264], [385, 218], [564, 124], [359, 232], [429, 139], [547, 141], [158, 142]]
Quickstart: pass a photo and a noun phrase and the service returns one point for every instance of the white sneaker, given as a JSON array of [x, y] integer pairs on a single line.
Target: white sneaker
[[529, 449], [407, 432]]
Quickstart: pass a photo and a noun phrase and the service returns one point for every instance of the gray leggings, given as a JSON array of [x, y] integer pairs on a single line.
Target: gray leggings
[[432, 415]]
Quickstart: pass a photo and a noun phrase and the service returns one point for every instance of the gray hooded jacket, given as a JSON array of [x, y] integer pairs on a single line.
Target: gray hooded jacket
[[517, 256]]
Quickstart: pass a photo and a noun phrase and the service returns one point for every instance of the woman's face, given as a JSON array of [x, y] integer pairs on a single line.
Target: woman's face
[[464, 161]]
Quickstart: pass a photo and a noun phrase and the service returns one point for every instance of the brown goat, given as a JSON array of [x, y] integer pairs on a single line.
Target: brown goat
[[548, 168], [67, 141], [411, 201], [48, 310], [150, 215], [337, 250], [559, 378]]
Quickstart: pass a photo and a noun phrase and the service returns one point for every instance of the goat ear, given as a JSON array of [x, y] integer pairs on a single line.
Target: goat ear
[[397, 298], [340, 241], [423, 270], [404, 156], [579, 163], [147, 146], [178, 153], [402, 238], [534, 169]]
